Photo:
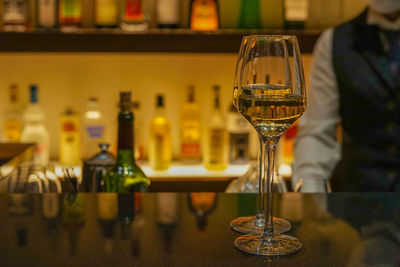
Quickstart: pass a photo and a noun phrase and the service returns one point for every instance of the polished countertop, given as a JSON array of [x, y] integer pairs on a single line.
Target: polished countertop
[[192, 229]]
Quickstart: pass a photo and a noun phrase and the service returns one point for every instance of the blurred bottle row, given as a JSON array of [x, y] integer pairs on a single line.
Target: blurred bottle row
[[223, 139], [199, 15]]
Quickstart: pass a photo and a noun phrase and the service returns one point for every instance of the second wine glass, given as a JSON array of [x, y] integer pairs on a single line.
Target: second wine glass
[[271, 96]]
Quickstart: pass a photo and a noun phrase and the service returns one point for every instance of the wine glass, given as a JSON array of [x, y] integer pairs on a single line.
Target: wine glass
[[271, 96], [253, 224]]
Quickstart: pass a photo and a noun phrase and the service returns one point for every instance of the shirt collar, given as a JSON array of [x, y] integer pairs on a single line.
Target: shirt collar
[[374, 18]]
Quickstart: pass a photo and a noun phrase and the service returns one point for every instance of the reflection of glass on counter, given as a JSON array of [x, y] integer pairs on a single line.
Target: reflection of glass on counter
[[19, 208], [73, 217]]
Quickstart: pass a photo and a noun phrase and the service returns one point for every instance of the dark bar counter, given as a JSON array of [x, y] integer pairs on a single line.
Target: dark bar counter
[[192, 229]]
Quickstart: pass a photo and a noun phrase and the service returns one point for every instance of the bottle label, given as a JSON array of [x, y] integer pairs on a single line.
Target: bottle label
[[95, 131], [190, 150], [12, 130], [133, 10], [71, 9], [216, 146], [204, 15], [69, 127], [40, 154], [296, 10], [47, 13]]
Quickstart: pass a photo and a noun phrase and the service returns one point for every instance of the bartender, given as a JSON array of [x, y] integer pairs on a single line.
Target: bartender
[[355, 83]]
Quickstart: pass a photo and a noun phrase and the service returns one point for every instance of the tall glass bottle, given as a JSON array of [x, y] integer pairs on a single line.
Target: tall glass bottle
[[70, 144], [106, 13], [15, 15], [204, 15], [295, 14], [160, 153], [190, 129], [132, 16], [46, 12], [34, 130], [125, 176], [249, 14], [70, 14], [215, 145], [93, 128], [13, 117]]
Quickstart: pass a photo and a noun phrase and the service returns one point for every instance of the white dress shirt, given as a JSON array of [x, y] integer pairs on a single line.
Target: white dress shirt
[[316, 149]]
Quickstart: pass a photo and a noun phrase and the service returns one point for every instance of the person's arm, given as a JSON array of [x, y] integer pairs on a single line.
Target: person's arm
[[316, 149]]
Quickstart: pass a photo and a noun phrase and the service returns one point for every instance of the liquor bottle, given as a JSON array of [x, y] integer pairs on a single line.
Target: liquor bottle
[[15, 15], [70, 14], [238, 129], [125, 176], [168, 13], [133, 17], [215, 145], [46, 13], [249, 14], [34, 130], [107, 214], [295, 14], [202, 205], [93, 128], [204, 15], [190, 129], [271, 14], [73, 218], [70, 145], [13, 117], [106, 13], [160, 153]]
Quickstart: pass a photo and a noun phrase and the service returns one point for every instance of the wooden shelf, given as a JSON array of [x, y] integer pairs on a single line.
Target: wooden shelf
[[153, 40]]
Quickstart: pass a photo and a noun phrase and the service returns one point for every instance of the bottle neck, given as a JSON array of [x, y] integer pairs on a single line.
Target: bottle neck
[[125, 137], [160, 111]]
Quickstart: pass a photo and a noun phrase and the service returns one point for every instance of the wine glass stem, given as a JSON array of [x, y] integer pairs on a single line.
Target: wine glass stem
[[269, 166], [261, 184]]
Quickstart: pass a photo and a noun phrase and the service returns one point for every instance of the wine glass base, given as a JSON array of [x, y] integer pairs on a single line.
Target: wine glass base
[[279, 245], [255, 225]]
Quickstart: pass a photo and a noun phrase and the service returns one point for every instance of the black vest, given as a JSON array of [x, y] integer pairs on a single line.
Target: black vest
[[369, 107]]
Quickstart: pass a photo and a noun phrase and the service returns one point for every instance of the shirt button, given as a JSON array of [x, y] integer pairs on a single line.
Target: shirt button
[[390, 127], [392, 150], [391, 105], [392, 174]]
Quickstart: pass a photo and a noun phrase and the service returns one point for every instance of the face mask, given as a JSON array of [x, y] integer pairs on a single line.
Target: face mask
[[384, 6]]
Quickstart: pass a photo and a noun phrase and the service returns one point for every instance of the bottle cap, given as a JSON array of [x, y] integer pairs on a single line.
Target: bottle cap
[[125, 102], [34, 93]]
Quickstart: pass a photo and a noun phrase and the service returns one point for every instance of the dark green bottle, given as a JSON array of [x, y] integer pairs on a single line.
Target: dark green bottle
[[125, 176], [249, 14]]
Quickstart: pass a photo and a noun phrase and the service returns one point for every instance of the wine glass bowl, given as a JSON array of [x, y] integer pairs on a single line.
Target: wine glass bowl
[[271, 95]]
